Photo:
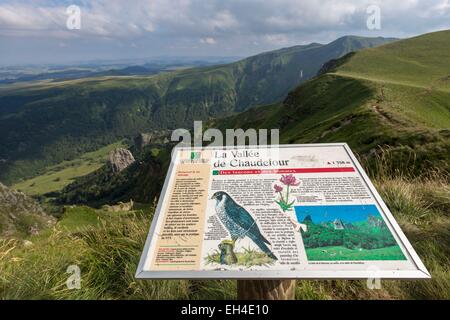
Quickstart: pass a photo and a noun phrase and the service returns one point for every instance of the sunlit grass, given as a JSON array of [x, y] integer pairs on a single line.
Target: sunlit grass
[[58, 176], [107, 246]]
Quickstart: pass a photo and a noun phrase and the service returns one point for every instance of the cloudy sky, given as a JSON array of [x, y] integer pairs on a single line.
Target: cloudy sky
[[36, 31]]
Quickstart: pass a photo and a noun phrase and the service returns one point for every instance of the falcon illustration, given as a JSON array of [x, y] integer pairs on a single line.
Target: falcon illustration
[[239, 222]]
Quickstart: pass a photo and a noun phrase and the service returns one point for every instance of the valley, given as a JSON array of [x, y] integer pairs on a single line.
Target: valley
[[46, 123]]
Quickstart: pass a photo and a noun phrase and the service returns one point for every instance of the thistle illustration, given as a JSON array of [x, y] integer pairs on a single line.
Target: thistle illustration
[[283, 201]]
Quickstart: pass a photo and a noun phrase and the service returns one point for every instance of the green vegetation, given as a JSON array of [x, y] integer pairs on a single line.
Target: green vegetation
[[58, 176], [373, 107], [106, 251], [47, 123], [76, 218], [106, 247], [343, 253], [363, 240], [247, 258], [20, 215], [401, 62], [141, 182]]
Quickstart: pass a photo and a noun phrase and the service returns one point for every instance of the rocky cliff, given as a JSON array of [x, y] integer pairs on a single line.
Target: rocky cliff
[[120, 159], [20, 214]]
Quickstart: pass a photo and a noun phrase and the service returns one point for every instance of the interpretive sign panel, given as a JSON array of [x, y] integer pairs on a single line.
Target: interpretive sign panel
[[287, 211]]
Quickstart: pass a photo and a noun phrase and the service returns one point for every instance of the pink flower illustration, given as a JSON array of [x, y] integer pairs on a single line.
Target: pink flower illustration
[[283, 201], [278, 188], [289, 180]]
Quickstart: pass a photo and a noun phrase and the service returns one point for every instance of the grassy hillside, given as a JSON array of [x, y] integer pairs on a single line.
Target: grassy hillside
[[407, 109], [58, 176], [107, 246], [50, 122], [20, 215], [403, 61]]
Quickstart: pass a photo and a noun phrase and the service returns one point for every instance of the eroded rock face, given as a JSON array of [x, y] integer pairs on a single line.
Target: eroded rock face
[[20, 213], [120, 159], [12, 201], [155, 137]]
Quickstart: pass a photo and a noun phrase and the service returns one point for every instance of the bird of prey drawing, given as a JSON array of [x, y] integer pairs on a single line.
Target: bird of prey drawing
[[239, 222]]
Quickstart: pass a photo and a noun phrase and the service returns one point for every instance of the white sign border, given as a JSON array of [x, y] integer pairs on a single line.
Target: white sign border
[[420, 273]]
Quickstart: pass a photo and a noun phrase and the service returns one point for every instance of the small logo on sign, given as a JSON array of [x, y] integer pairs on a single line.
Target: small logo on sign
[[195, 155]]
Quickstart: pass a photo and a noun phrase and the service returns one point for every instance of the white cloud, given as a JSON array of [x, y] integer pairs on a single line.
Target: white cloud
[[100, 18], [192, 18], [439, 9], [223, 20], [242, 26], [208, 40], [23, 17], [277, 39]]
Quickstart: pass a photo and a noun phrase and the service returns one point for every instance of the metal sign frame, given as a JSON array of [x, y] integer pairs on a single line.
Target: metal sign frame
[[420, 273]]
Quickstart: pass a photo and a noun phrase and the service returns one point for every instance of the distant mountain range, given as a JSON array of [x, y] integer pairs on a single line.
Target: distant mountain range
[[390, 102], [50, 122], [15, 75]]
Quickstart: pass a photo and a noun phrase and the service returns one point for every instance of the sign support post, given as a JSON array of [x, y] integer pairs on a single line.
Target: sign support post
[[266, 289]]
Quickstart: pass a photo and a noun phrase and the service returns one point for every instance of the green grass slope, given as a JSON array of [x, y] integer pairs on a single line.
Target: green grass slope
[[107, 246], [421, 61], [58, 176], [50, 122], [366, 101]]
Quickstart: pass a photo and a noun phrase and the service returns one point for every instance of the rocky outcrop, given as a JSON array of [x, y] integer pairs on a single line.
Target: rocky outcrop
[[120, 207], [21, 214], [155, 137], [120, 159], [332, 64]]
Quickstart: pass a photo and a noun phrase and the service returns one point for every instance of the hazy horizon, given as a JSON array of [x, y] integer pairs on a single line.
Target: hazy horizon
[[65, 32], [166, 58]]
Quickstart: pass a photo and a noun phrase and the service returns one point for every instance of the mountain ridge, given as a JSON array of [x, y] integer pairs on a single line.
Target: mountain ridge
[[359, 100], [382, 123], [42, 125]]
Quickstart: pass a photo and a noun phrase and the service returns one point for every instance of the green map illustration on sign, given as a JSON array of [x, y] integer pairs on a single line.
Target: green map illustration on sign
[[346, 232]]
